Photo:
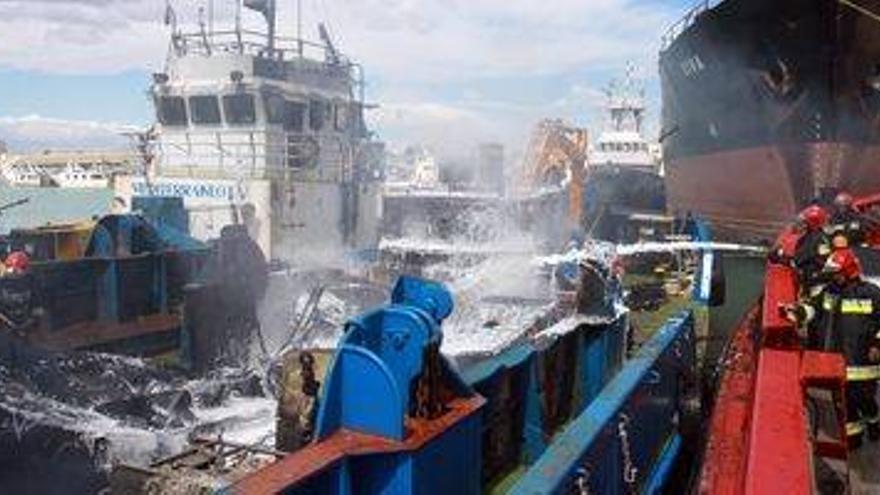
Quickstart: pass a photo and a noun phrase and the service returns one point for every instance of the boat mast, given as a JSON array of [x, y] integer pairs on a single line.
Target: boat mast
[[238, 5], [211, 20], [270, 19], [299, 27], [267, 8]]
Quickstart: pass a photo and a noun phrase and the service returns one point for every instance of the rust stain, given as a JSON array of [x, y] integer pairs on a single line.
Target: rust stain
[[322, 455], [97, 333]]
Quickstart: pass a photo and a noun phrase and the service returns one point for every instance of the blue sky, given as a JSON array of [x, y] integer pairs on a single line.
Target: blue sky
[[104, 97], [447, 73]]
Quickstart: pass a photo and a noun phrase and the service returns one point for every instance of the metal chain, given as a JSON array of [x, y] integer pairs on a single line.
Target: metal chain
[[582, 481], [630, 471], [422, 399], [310, 388]]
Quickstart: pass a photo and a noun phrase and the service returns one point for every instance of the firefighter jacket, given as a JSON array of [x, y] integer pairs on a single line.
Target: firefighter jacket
[[850, 317], [16, 301], [809, 256]]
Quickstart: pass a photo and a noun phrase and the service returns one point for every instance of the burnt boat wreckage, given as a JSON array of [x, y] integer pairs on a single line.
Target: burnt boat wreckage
[[102, 420], [93, 302], [180, 281], [492, 405], [260, 145]]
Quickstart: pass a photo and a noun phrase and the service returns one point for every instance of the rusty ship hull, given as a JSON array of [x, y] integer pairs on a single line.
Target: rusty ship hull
[[768, 106]]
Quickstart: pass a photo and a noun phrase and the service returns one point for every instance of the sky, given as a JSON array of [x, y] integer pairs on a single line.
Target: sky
[[447, 74]]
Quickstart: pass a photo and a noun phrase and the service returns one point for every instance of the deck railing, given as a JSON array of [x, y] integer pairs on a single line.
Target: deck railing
[[253, 43], [680, 26], [265, 154]]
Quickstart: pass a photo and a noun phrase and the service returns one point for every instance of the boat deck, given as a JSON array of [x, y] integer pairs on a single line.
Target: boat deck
[[863, 472], [864, 475]]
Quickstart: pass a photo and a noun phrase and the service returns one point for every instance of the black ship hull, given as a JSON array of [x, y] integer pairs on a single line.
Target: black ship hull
[[767, 105]]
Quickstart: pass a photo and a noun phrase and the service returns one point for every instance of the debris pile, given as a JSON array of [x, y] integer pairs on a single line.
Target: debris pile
[[78, 414]]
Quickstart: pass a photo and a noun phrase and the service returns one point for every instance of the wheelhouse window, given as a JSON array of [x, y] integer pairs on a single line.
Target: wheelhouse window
[[275, 107], [340, 121], [356, 119], [294, 116], [172, 110], [204, 109], [317, 114], [239, 109]]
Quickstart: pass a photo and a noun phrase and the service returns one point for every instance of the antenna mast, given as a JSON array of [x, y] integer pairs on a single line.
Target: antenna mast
[[270, 19], [299, 27], [238, 5], [267, 8]]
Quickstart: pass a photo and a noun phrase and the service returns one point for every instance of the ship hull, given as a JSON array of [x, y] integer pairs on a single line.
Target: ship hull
[[768, 106], [750, 194]]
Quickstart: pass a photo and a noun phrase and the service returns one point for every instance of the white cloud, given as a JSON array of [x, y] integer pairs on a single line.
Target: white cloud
[[458, 39], [408, 47], [35, 133]]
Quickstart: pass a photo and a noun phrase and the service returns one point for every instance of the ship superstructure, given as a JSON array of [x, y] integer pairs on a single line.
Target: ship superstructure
[[622, 144], [622, 175], [269, 131]]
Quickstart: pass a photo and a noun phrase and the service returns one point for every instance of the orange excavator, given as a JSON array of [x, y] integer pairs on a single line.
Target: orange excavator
[[557, 157]]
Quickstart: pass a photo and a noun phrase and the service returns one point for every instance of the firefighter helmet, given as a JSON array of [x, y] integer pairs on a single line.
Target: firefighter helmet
[[814, 217], [845, 263], [18, 262]]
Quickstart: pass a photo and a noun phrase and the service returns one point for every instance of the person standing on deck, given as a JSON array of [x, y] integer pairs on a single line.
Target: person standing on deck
[[812, 249], [846, 319], [846, 221]]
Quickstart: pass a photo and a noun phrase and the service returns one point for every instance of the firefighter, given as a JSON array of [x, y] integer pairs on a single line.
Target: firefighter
[[298, 401], [812, 248], [15, 263], [17, 312], [846, 220], [847, 317]]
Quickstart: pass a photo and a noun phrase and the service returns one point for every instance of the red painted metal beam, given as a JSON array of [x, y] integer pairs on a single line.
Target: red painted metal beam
[[780, 452], [758, 441], [865, 203], [321, 456], [729, 449], [726, 457], [313, 460], [780, 289]]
